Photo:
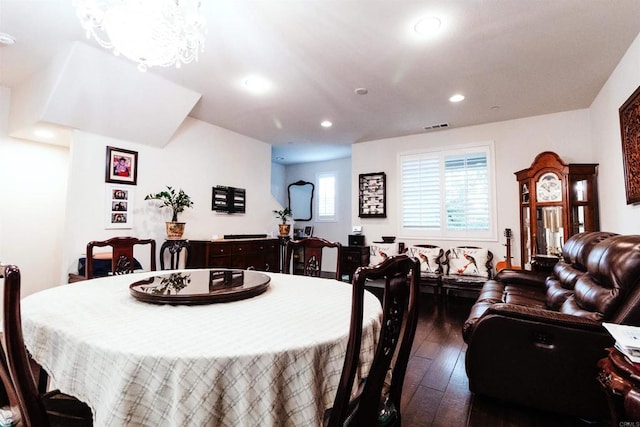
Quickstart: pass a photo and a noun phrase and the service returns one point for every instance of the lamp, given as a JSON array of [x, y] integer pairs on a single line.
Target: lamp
[[149, 32]]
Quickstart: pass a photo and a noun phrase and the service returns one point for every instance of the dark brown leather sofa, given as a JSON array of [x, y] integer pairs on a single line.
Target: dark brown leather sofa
[[535, 339]]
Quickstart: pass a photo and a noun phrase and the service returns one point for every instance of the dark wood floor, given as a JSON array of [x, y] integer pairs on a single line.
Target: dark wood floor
[[436, 390]]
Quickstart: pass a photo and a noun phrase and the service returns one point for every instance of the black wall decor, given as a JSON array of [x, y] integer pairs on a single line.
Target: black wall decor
[[373, 195], [228, 199]]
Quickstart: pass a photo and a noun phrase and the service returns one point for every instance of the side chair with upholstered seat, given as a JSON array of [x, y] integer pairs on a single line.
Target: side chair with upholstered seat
[[122, 260], [377, 403], [34, 407], [307, 256]]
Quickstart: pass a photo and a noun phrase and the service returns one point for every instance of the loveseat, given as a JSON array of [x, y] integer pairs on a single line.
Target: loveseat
[[534, 339]]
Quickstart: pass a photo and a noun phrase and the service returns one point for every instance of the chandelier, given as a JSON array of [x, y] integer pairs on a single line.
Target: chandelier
[[153, 33]]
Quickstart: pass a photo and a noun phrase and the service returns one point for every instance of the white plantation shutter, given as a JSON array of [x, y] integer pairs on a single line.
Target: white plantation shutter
[[421, 192], [326, 196], [447, 193], [467, 192]]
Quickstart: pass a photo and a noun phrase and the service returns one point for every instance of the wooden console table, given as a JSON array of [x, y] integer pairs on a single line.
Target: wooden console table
[[259, 254]]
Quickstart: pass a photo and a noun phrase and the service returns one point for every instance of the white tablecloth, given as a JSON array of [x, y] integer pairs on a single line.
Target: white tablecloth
[[274, 359]]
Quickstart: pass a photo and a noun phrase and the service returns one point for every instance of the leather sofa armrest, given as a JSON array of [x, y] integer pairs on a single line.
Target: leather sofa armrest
[[545, 316], [522, 277], [539, 358]]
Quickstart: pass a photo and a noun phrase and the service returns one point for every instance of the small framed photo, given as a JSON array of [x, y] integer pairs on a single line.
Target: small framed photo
[[308, 231], [122, 166], [118, 207]]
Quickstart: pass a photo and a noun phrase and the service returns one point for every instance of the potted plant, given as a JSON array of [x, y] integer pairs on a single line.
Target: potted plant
[[283, 215], [177, 201]]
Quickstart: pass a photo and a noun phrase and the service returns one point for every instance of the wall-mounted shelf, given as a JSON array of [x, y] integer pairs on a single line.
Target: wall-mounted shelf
[[228, 199]]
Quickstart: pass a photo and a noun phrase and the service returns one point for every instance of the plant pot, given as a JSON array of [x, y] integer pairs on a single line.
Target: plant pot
[[284, 229], [175, 230]]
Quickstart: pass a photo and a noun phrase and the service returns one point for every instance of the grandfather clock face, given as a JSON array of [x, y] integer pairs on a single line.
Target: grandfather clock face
[[549, 188]]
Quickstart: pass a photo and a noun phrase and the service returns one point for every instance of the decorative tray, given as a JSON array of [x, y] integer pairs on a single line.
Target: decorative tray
[[191, 287]]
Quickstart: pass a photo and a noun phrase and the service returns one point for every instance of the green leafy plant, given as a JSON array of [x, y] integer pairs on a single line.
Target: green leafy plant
[[176, 200], [283, 214]]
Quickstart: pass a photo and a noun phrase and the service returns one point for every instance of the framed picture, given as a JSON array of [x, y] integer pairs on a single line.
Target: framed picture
[[122, 166], [630, 132], [308, 231], [118, 207], [372, 195]]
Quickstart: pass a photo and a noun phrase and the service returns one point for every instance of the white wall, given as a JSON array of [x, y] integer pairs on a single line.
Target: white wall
[[199, 157], [43, 230], [615, 214], [278, 183], [517, 142], [33, 178], [335, 231]]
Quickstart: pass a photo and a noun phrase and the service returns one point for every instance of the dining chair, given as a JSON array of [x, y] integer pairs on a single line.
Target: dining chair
[[307, 256], [122, 260], [377, 402], [35, 407]]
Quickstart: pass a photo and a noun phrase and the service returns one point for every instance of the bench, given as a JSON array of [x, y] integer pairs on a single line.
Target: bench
[[460, 268]]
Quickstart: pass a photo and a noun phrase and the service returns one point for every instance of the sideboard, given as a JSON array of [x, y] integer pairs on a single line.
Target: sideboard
[[259, 254]]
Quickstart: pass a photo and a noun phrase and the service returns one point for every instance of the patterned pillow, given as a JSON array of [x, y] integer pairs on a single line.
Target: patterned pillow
[[428, 258], [380, 251], [467, 261]]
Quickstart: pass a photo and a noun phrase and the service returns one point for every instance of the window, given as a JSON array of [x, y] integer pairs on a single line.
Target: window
[[327, 196], [448, 193]]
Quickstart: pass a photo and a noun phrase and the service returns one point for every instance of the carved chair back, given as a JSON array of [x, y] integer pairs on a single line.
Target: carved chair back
[[122, 260], [376, 405], [306, 256], [36, 407]]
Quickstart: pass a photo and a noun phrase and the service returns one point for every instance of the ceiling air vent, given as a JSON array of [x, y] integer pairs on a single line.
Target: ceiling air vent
[[437, 126]]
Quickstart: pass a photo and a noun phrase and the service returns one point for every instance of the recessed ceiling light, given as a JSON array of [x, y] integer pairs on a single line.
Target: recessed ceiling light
[[7, 39], [427, 26], [495, 107], [44, 133], [361, 91], [257, 84], [456, 98], [326, 124]]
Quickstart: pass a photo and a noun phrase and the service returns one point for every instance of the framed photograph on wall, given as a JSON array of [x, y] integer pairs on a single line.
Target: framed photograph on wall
[[118, 207], [630, 132], [372, 195], [122, 166]]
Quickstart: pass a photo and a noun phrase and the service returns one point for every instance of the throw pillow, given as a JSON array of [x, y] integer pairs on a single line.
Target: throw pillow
[[380, 251], [468, 261], [428, 258]]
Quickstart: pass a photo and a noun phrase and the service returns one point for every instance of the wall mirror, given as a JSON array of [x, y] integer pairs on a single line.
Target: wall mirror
[[301, 200]]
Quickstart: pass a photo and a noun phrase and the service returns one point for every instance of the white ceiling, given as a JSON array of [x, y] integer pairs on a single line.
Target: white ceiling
[[510, 58]]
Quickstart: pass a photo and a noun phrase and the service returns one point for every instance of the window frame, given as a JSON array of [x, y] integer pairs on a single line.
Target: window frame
[[443, 233], [319, 176]]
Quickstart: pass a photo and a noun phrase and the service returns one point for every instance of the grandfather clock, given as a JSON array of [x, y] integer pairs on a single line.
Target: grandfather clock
[[557, 200]]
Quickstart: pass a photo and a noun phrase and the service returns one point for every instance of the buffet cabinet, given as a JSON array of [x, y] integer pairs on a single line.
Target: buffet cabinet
[[258, 254], [557, 200]]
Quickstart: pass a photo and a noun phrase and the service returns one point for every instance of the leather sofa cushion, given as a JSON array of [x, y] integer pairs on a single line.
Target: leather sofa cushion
[[525, 295], [613, 272], [557, 294]]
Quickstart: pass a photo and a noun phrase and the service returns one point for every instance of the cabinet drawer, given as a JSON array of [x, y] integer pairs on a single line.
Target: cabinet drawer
[[243, 248], [219, 250]]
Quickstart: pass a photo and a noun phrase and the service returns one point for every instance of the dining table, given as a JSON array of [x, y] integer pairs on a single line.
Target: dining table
[[273, 358]]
